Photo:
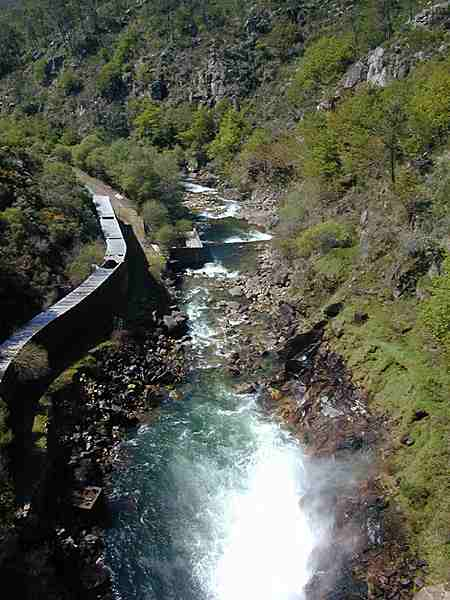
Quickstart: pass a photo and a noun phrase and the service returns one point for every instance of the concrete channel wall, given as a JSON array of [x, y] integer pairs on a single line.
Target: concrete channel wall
[[89, 308]]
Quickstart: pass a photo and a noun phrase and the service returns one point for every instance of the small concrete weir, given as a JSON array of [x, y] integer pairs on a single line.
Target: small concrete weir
[[193, 254]]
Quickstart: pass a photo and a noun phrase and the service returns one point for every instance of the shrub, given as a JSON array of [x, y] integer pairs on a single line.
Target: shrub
[[156, 265], [429, 106], [354, 129], [183, 226], [39, 70], [70, 83], [81, 152], [109, 80], [281, 39], [31, 363], [155, 215], [166, 236], [62, 153], [320, 154], [234, 127], [82, 266], [324, 237], [440, 193], [200, 133], [150, 124], [10, 42], [292, 214]]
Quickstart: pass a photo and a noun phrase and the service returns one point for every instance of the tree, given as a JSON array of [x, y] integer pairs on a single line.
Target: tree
[[10, 43], [320, 148], [234, 127], [429, 106], [324, 61], [155, 215], [150, 124]]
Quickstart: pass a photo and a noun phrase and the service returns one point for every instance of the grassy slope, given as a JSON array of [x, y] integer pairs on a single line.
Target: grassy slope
[[391, 357]]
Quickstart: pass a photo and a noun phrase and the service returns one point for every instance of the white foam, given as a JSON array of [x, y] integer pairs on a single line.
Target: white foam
[[262, 537], [213, 269], [251, 236], [230, 208], [195, 188]]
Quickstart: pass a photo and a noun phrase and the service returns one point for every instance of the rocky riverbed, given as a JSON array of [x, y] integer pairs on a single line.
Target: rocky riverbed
[[276, 349]]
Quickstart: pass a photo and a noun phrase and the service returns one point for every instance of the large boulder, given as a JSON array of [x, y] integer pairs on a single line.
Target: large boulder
[[176, 324], [377, 68], [436, 592], [356, 73]]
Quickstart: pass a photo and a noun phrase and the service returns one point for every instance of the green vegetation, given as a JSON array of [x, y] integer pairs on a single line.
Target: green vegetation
[[45, 217], [148, 175], [323, 238], [436, 310], [390, 356], [323, 63], [81, 266], [70, 82], [233, 129]]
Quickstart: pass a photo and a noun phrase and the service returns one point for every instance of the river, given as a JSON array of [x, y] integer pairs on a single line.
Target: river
[[209, 492]]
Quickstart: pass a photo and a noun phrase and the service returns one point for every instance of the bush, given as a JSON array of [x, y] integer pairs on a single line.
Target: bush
[[234, 127], [10, 42], [62, 153], [281, 39], [200, 133], [429, 106], [183, 226], [81, 152], [292, 214], [39, 70], [82, 266], [31, 363], [166, 236], [320, 153], [150, 124], [324, 237], [155, 215], [156, 265], [109, 80], [70, 83]]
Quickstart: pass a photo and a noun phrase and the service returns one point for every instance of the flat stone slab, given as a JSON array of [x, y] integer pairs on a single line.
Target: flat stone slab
[[436, 592]]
